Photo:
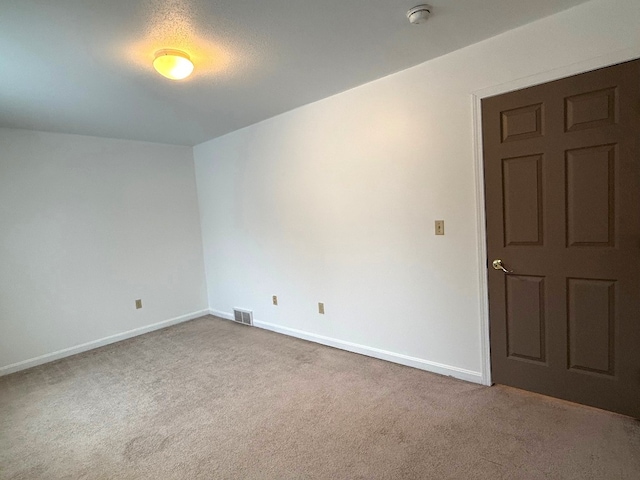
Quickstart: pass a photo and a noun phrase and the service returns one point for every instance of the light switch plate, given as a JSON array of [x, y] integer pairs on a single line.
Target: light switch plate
[[275, 300], [439, 227], [321, 308]]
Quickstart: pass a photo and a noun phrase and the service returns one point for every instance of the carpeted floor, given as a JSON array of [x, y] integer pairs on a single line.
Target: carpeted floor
[[216, 400]]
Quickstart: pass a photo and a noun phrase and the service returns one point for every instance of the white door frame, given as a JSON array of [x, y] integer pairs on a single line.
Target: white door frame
[[476, 98]]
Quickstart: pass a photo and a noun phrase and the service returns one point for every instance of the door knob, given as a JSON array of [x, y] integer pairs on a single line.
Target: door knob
[[498, 265]]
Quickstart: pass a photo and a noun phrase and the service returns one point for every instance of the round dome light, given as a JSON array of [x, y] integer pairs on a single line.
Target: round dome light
[[173, 64]]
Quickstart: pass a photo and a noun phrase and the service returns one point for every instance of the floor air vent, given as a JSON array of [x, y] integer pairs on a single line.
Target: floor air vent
[[243, 316]]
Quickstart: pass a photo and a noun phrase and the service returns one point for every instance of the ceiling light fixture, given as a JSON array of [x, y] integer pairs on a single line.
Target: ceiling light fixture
[[419, 14], [173, 64]]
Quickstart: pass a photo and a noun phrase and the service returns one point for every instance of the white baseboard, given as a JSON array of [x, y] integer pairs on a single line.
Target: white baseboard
[[218, 313], [434, 367], [67, 352]]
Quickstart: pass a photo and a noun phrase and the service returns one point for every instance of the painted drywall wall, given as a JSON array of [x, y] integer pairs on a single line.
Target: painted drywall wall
[[88, 226], [336, 201]]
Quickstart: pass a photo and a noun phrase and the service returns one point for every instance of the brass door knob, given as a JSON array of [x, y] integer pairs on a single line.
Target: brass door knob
[[498, 265]]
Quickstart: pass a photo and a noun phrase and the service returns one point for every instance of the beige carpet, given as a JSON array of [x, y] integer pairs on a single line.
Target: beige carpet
[[212, 399]]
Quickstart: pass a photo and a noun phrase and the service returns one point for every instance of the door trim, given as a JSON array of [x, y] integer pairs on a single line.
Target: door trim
[[595, 63]]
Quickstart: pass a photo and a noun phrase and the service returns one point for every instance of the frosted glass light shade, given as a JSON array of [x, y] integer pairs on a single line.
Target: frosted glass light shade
[[173, 64]]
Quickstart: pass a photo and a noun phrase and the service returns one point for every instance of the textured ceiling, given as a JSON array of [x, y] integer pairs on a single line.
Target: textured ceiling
[[84, 66]]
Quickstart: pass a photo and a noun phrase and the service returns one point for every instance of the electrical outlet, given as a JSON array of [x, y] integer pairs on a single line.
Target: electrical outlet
[[439, 227], [321, 308], [138, 304], [275, 300]]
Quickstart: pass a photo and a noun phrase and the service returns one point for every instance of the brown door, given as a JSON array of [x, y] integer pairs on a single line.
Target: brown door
[[562, 180]]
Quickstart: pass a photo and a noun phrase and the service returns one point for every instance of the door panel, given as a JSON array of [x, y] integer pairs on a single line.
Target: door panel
[[562, 183], [590, 110], [525, 317], [591, 325], [522, 186], [590, 189], [521, 123]]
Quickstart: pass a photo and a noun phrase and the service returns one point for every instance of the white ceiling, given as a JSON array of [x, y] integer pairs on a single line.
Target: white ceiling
[[84, 66]]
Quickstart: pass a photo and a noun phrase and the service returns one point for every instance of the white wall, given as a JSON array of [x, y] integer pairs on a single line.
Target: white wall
[[335, 201], [88, 226]]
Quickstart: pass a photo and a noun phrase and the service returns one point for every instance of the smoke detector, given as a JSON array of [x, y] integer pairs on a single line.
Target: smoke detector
[[419, 14]]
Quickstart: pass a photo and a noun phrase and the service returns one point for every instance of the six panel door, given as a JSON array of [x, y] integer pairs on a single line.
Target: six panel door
[[562, 189]]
